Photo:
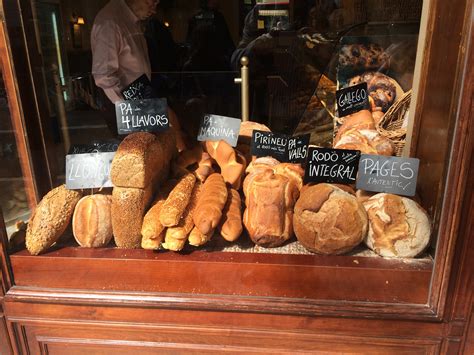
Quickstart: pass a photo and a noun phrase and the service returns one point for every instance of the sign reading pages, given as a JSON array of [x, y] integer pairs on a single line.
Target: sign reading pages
[[89, 170], [148, 115], [337, 166], [216, 128], [393, 175]]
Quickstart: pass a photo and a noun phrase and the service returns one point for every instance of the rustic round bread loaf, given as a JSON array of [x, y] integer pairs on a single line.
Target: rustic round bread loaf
[[398, 226], [92, 221], [328, 220]]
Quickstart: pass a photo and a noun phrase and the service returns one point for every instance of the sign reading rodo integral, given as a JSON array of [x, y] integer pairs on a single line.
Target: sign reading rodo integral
[[393, 175], [282, 147], [266, 144], [96, 147], [216, 128], [89, 170], [140, 89], [337, 166], [148, 115], [352, 99]]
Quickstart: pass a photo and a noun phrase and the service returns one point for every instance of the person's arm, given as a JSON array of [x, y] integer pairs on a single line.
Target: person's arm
[[105, 45]]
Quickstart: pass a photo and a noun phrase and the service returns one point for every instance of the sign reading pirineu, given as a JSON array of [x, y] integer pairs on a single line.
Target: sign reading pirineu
[[393, 175]]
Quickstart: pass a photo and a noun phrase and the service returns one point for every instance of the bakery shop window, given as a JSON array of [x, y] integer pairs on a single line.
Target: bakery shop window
[[266, 127]]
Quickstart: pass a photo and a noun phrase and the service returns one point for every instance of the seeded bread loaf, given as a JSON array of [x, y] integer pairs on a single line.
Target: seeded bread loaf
[[50, 219], [128, 209]]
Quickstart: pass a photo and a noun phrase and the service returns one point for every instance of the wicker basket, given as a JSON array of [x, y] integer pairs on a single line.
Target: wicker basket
[[391, 124]]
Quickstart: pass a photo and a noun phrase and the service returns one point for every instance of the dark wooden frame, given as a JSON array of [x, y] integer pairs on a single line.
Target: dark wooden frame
[[444, 105]]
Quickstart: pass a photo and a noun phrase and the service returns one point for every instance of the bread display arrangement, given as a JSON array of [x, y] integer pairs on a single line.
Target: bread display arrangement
[[165, 200], [358, 132]]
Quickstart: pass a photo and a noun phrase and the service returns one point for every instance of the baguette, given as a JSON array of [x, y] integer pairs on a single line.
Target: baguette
[[196, 238], [210, 204], [176, 236], [230, 227], [153, 232], [50, 219], [176, 203]]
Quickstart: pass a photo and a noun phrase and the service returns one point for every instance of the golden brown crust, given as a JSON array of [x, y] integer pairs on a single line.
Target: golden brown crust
[[128, 209], [92, 221], [210, 204], [176, 236], [226, 157], [328, 220], [359, 120], [270, 199], [178, 199], [196, 238], [152, 230], [50, 219], [230, 227]]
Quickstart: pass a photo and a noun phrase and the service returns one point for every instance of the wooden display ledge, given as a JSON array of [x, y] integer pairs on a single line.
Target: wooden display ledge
[[224, 280]]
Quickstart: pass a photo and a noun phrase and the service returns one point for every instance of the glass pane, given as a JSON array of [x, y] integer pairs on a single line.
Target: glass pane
[[13, 198], [299, 54]]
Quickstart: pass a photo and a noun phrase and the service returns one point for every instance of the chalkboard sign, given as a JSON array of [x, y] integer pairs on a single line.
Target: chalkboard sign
[[352, 99], [268, 144], [337, 166], [284, 148], [216, 128], [96, 147], [298, 148], [393, 175], [88, 171], [140, 89], [149, 115]]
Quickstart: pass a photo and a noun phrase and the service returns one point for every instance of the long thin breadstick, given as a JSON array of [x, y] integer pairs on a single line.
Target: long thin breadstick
[[176, 236], [196, 238], [176, 203]]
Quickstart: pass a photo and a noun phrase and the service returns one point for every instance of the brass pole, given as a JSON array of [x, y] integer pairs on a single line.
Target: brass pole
[[244, 81]]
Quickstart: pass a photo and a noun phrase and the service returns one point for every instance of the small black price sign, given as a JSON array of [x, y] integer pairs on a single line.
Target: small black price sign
[[89, 170], [268, 144], [284, 148], [338, 166], [96, 147], [140, 89], [393, 175], [216, 128], [298, 148], [352, 99], [149, 115]]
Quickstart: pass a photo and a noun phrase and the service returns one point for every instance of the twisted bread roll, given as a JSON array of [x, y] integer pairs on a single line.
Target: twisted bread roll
[[231, 223], [176, 236], [210, 204], [231, 169], [176, 203]]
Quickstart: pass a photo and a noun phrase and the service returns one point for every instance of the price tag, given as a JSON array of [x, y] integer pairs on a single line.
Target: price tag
[[337, 166], [96, 147], [393, 175], [352, 99], [298, 148], [268, 144], [216, 128], [140, 89], [149, 115], [89, 170]]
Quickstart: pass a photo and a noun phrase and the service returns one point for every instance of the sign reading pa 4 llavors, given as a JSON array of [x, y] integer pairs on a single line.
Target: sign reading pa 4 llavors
[[148, 115]]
